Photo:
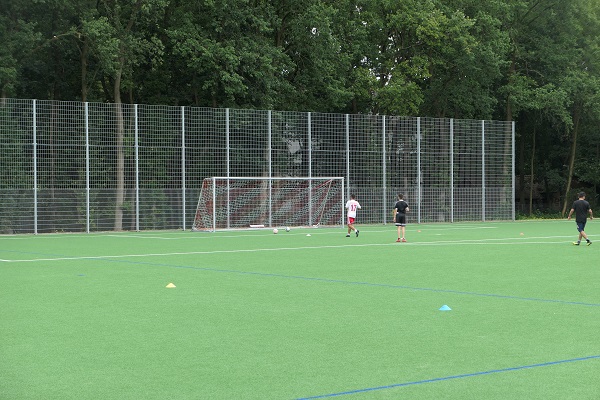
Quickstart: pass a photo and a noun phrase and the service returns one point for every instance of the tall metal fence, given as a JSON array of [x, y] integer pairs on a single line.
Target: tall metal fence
[[84, 167]]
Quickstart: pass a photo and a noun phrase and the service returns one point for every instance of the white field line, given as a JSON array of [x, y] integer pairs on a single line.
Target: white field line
[[318, 231], [251, 232], [304, 230], [480, 242]]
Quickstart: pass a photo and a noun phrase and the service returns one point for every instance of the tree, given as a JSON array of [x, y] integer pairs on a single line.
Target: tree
[[543, 49], [19, 38], [582, 81], [468, 66], [119, 47], [224, 53], [305, 31]]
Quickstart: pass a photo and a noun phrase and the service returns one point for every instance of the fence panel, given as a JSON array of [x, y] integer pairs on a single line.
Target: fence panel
[[77, 167]]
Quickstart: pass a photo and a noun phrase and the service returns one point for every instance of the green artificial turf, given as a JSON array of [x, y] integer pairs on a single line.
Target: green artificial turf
[[261, 316]]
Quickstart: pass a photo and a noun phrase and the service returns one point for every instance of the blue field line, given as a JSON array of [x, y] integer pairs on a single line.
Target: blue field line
[[327, 280], [384, 285], [447, 378]]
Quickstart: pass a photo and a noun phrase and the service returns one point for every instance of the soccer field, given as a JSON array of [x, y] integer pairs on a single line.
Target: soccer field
[[255, 315]]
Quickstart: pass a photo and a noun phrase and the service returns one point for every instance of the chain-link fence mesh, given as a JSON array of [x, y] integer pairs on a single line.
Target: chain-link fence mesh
[[81, 167]]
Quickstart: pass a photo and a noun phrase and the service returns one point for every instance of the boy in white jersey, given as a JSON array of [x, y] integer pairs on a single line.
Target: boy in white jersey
[[352, 205]]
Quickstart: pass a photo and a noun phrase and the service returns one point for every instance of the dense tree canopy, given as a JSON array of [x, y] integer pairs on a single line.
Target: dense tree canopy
[[531, 61]]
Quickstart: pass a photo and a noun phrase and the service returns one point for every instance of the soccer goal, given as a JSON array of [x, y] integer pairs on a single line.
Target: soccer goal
[[244, 202]]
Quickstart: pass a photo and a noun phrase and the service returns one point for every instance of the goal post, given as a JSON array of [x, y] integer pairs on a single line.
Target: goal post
[[243, 202]]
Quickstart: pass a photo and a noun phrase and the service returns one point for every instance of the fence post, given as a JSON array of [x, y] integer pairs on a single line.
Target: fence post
[[35, 173], [419, 169], [87, 167], [348, 153], [270, 147], [183, 186], [227, 146], [228, 151], [214, 201], [512, 174], [310, 206], [383, 166], [451, 169], [483, 170], [137, 168]]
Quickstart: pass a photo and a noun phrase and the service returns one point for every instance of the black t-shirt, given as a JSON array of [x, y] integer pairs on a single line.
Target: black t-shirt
[[581, 208], [401, 206]]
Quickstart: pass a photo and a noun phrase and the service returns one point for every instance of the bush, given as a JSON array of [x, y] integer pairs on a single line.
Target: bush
[[539, 214]]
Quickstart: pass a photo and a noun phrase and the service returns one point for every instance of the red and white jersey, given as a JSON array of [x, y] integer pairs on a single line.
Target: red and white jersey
[[352, 206]]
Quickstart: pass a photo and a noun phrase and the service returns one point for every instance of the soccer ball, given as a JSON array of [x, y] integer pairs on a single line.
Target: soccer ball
[[287, 229], [275, 230]]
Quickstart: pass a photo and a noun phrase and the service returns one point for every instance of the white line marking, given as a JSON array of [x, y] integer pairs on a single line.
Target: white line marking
[[148, 237], [251, 233], [480, 242]]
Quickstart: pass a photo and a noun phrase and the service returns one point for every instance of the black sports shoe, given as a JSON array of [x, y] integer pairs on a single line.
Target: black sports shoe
[[588, 243], [575, 243], [357, 233], [348, 235]]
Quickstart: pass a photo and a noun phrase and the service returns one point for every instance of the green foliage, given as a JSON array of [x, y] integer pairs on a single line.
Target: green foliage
[[539, 214], [19, 37], [531, 61]]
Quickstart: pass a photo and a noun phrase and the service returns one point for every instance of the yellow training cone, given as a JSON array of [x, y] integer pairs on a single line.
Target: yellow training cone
[[170, 285]]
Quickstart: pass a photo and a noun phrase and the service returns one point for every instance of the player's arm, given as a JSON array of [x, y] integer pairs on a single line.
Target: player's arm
[[591, 214], [570, 213]]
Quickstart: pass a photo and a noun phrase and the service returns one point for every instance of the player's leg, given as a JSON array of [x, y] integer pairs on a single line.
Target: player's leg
[[403, 226], [584, 235], [580, 229]]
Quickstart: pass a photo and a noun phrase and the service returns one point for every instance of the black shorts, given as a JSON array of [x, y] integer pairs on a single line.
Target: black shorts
[[400, 219]]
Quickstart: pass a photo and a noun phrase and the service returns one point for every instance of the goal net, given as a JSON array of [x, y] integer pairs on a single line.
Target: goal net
[[243, 202]]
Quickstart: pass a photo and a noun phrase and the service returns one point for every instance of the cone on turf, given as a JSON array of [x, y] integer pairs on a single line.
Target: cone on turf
[[170, 285]]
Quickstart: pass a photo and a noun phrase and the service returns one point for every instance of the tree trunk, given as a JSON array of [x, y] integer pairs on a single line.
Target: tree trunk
[[571, 161], [120, 172], [508, 142], [531, 165], [521, 173]]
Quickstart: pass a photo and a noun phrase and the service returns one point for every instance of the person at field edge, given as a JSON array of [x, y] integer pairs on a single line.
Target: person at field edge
[[352, 205], [400, 210], [581, 208]]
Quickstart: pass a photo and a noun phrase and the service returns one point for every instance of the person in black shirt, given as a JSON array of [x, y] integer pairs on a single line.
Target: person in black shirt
[[400, 210], [581, 208]]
